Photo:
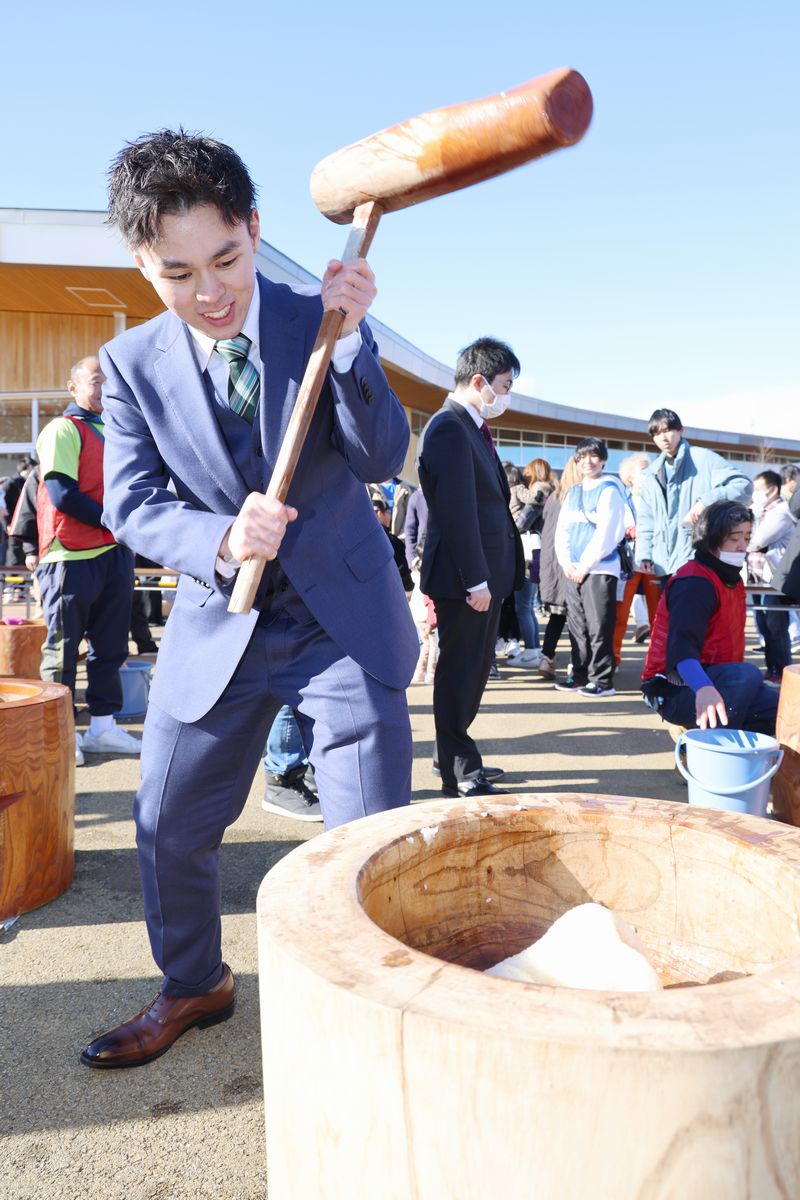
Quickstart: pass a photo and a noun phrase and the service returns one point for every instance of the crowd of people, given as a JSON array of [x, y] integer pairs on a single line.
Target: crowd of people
[[678, 537], [165, 451]]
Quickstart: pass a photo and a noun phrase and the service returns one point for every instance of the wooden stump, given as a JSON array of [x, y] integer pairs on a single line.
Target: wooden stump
[[786, 784], [37, 793], [21, 649], [394, 1068]]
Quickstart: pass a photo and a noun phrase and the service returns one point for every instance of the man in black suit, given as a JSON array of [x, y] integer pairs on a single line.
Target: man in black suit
[[473, 555]]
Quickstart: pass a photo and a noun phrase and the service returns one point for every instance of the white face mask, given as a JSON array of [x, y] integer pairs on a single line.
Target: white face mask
[[496, 407], [734, 558], [760, 501]]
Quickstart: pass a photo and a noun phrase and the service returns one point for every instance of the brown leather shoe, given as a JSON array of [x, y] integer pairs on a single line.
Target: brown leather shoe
[[152, 1031]]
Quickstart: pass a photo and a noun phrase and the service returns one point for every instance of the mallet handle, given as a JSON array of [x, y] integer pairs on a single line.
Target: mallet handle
[[365, 223]]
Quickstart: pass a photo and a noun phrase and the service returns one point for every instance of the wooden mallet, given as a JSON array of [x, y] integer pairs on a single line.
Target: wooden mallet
[[438, 152]]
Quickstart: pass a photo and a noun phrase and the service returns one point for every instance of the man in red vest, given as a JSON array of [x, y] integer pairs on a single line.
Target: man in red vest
[[85, 577], [694, 673]]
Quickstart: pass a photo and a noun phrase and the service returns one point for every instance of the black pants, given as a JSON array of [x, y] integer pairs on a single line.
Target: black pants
[[591, 616], [554, 630], [774, 629], [88, 597], [466, 653]]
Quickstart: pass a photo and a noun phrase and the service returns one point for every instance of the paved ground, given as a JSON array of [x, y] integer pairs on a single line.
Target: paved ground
[[191, 1124]]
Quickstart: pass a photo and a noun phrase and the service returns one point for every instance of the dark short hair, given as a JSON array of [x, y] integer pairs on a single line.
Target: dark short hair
[[26, 463], [771, 478], [789, 472], [664, 418], [170, 172], [380, 505], [716, 522], [592, 445], [486, 357]]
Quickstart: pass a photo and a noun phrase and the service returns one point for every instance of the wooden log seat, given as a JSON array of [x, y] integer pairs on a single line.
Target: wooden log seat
[[21, 648], [395, 1068], [37, 793], [786, 784]]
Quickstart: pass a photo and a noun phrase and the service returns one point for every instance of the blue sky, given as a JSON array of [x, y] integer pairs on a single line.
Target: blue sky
[[656, 263]]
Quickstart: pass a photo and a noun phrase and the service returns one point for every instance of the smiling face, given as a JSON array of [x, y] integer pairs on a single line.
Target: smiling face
[[204, 269], [590, 465], [86, 385]]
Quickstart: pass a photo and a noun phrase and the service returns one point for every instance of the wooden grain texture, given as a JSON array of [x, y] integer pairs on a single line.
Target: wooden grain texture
[[413, 1075], [454, 147], [786, 784], [21, 648], [37, 793], [786, 788], [787, 725]]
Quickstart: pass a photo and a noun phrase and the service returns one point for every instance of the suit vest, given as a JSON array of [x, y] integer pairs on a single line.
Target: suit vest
[[724, 640], [71, 533]]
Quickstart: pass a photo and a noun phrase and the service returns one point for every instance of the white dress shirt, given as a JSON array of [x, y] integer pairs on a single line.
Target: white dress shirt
[[209, 359]]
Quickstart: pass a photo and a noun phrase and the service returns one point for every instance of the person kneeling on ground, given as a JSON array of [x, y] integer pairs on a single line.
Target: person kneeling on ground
[[694, 673]]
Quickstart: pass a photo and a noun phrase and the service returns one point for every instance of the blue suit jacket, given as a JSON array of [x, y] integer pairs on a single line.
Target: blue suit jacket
[[172, 490]]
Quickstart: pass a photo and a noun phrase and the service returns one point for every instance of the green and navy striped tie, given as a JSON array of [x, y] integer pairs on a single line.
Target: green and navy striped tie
[[244, 384]]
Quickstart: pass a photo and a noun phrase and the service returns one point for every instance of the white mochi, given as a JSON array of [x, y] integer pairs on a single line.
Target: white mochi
[[587, 947]]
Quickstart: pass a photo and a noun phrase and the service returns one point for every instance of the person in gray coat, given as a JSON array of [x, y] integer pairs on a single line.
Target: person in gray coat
[[682, 482]]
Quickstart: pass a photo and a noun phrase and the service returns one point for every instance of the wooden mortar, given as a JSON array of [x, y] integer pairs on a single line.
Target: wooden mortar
[[21, 648], [37, 793], [786, 784], [393, 1069]]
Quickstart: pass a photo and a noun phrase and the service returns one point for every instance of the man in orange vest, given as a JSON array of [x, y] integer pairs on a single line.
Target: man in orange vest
[[85, 577]]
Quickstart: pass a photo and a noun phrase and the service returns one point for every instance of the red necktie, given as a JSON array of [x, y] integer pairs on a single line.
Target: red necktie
[[487, 437]]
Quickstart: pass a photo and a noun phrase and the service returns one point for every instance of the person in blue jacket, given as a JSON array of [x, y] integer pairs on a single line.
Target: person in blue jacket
[[676, 489]]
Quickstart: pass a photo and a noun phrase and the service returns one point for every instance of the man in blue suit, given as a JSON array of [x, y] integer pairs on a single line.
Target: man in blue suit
[[196, 404]]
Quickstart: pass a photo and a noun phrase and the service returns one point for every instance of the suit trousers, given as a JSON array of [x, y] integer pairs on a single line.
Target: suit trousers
[[591, 616], [466, 652], [196, 777]]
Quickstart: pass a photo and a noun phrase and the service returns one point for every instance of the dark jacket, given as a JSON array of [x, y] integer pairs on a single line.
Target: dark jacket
[[552, 580], [414, 530], [470, 535], [22, 523]]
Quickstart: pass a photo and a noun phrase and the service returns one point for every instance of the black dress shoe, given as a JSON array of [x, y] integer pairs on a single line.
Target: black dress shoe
[[487, 772], [479, 786], [152, 1031]]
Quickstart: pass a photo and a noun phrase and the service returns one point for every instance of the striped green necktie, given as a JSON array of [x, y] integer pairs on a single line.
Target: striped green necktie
[[244, 384]]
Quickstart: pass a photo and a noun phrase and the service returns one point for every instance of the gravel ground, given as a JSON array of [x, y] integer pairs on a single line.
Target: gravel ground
[[191, 1124]]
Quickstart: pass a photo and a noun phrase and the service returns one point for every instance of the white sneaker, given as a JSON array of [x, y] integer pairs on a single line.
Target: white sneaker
[[513, 648], [79, 759], [112, 741], [529, 658]]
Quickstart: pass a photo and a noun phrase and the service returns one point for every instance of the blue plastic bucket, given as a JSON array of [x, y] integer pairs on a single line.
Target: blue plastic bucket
[[729, 768], [135, 679]]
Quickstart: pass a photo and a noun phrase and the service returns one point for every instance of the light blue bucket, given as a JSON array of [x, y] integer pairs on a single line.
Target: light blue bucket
[[135, 680], [729, 768]]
